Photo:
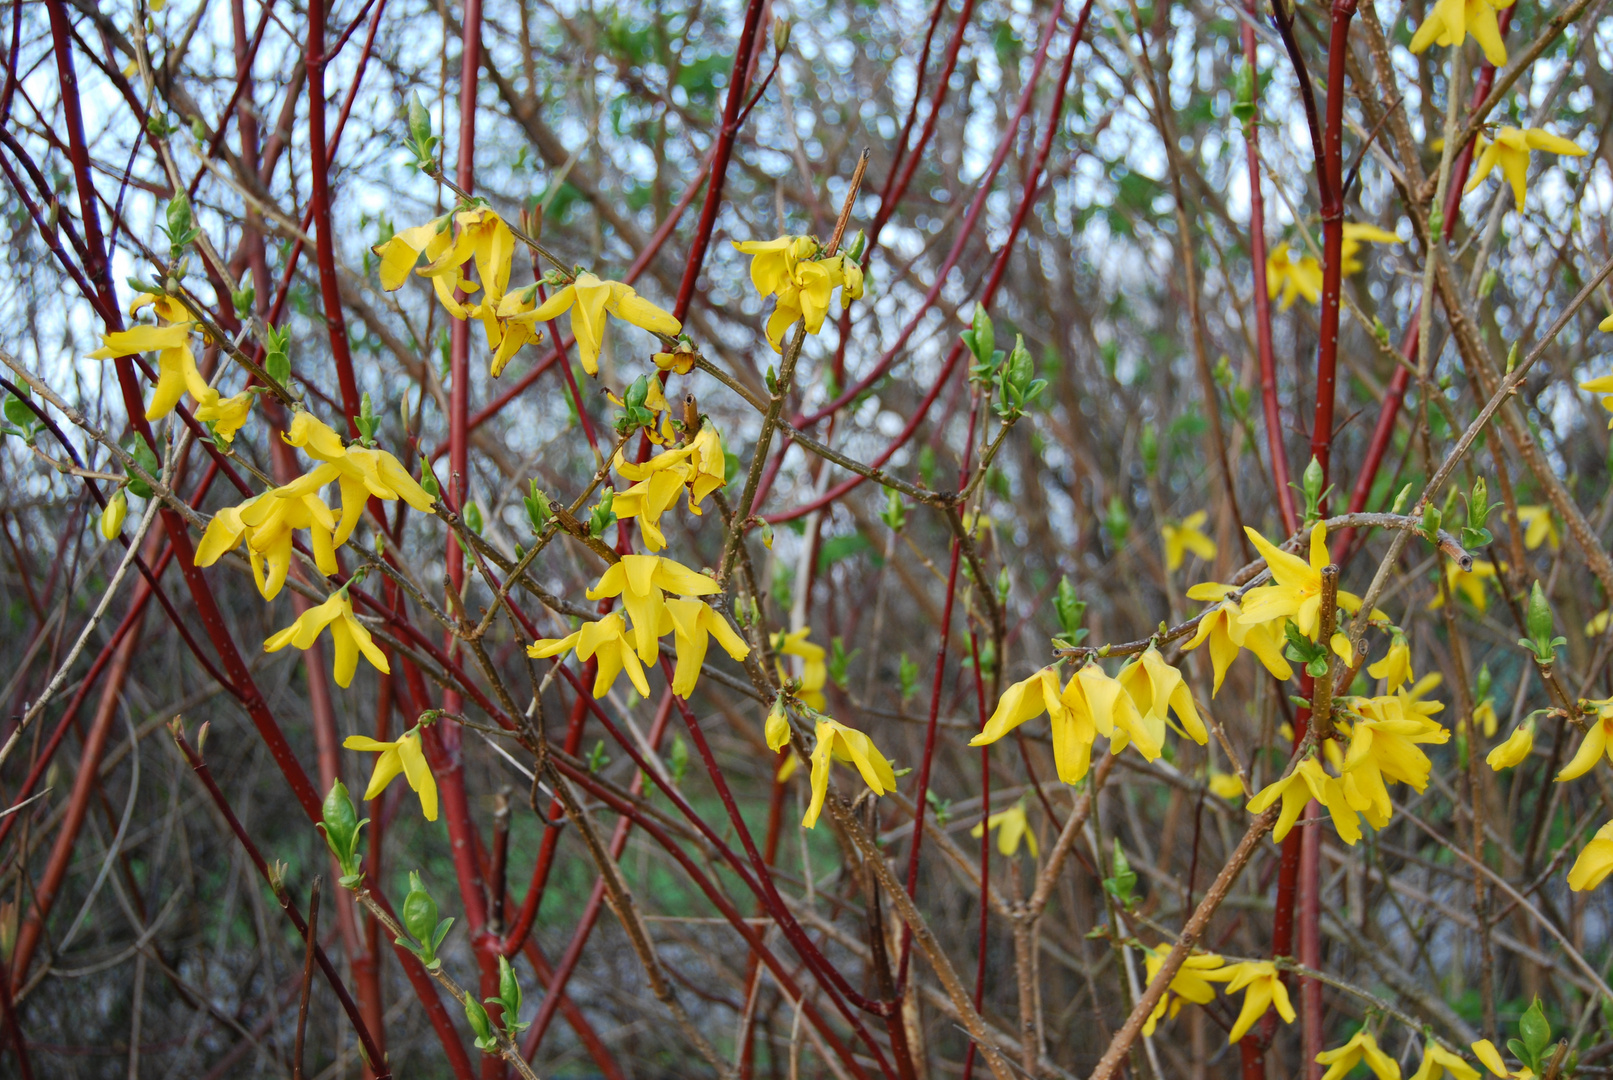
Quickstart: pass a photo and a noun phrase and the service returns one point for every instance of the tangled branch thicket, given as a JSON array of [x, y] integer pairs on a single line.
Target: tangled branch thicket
[[512, 510]]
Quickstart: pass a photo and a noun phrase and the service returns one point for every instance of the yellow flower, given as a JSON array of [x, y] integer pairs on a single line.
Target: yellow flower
[[266, 524], [692, 623], [1490, 1058], [1510, 150], [1452, 21], [1484, 717], [402, 756], [606, 639], [838, 742], [1012, 826], [1438, 1061], [176, 364], [1297, 590], [483, 237], [1469, 584], [1595, 743], [1598, 624], [1595, 862], [773, 262], [1308, 781], [642, 581], [1156, 687], [1226, 785], [814, 668], [1221, 627], [348, 636], [1262, 988], [1096, 705], [588, 299], [646, 501], [1362, 1047], [1188, 536], [711, 465], [1383, 743], [1293, 279], [1190, 983], [228, 414], [1354, 235], [1395, 667], [1606, 325], [360, 471], [1519, 745], [1538, 527], [807, 300], [777, 728]]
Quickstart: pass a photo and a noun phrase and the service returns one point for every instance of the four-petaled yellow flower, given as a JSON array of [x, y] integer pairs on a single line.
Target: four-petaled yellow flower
[[1227, 633], [402, 756], [1187, 536], [1362, 1048], [1190, 983], [1383, 743], [692, 624], [348, 636], [1012, 826], [1293, 278], [1308, 781], [1519, 745], [589, 299], [814, 666], [1538, 527], [1510, 150], [360, 472], [1438, 1062], [266, 524], [227, 414], [1156, 688], [1395, 667], [647, 500], [1595, 862], [1096, 705], [838, 742], [1452, 21], [1297, 590], [605, 639], [786, 268], [176, 364], [1595, 743], [773, 262], [1262, 988]]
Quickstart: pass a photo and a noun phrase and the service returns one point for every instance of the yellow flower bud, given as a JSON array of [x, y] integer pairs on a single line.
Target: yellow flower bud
[[117, 508]]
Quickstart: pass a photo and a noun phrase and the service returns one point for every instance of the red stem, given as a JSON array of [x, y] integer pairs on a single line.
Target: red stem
[[1257, 258]]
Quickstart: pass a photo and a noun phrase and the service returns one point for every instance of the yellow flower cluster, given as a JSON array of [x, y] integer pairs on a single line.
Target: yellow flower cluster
[[643, 582], [177, 373], [476, 234], [1131, 709], [698, 466], [1259, 980], [791, 270], [1303, 276], [266, 523]]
